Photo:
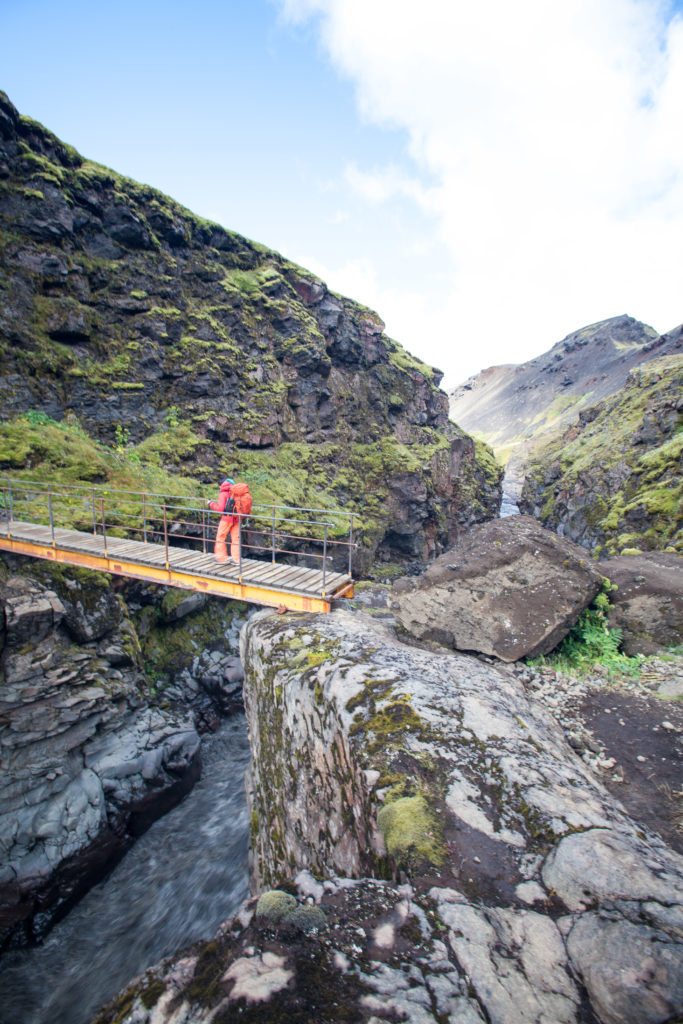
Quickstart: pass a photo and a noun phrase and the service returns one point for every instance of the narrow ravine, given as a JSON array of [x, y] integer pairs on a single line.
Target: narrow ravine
[[511, 490], [177, 883]]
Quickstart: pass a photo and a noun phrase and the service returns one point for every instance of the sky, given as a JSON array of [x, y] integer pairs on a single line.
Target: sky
[[488, 177]]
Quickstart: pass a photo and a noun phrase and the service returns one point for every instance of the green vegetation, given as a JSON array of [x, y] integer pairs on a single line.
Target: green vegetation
[[412, 832], [35, 447], [403, 360], [592, 644], [626, 465]]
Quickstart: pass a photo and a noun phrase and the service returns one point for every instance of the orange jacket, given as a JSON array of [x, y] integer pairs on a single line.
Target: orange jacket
[[224, 493]]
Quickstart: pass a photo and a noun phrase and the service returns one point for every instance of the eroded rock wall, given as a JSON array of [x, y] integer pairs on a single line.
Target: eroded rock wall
[[99, 734], [532, 897]]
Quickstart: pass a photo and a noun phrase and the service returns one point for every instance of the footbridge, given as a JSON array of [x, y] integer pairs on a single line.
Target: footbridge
[[292, 558]]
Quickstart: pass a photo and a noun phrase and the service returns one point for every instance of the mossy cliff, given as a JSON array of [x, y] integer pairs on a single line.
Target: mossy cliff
[[526, 893], [614, 480], [193, 351]]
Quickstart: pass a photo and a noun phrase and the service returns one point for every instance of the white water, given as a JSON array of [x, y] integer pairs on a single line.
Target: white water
[[176, 884]]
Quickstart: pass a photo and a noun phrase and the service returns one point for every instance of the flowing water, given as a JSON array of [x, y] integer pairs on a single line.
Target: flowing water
[[511, 491], [508, 506], [176, 884]]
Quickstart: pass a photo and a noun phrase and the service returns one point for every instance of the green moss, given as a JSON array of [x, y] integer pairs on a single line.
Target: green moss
[[412, 832], [487, 461], [152, 993], [272, 906], [646, 509]]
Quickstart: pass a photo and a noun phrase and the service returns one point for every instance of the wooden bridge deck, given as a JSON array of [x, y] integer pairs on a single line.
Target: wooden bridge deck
[[268, 583]]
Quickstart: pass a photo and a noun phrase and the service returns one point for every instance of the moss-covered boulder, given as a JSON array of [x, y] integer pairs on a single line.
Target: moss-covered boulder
[[468, 864]]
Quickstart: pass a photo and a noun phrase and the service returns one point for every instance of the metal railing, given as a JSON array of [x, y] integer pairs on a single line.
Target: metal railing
[[180, 521]]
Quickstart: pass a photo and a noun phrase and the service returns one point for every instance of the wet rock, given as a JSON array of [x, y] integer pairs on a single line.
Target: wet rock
[[648, 604], [86, 763], [509, 589]]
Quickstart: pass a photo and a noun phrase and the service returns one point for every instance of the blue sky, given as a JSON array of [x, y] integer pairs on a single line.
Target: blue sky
[[415, 163]]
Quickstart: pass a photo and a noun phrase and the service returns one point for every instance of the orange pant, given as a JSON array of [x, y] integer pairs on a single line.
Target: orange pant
[[227, 527]]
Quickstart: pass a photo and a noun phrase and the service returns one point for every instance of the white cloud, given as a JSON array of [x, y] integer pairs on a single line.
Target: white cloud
[[547, 143]]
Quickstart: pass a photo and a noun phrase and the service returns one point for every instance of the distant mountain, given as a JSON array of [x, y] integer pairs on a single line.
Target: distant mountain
[[513, 407], [613, 481]]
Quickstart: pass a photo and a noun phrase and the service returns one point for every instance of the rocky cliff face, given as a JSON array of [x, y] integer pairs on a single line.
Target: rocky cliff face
[[515, 407], [613, 481], [196, 350], [92, 747], [528, 894]]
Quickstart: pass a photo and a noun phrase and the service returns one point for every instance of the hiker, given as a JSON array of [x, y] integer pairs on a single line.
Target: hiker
[[234, 502], [228, 526]]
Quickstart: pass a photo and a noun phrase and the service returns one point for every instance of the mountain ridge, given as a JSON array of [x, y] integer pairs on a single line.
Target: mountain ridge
[[511, 406]]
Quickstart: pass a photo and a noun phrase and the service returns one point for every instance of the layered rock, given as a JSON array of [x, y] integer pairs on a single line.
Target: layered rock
[[92, 747], [614, 480], [203, 352], [510, 589], [532, 896]]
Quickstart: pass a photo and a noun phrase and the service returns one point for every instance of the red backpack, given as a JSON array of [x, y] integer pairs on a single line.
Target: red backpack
[[242, 497]]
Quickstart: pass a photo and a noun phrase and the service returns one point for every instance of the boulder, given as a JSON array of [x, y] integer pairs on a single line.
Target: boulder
[[509, 589], [648, 604], [526, 894]]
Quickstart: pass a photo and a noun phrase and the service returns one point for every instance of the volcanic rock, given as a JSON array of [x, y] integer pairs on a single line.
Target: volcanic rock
[[510, 588], [647, 605], [526, 895]]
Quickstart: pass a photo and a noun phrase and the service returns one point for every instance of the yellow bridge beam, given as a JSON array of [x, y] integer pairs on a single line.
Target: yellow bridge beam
[[170, 577]]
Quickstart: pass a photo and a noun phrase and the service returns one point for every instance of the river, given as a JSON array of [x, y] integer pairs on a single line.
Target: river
[[184, 876]]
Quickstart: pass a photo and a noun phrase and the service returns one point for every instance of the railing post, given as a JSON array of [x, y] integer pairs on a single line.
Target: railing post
[[324, 559], [104, 528], [94, 516], [350, 544], [144, 518], [51, 515], [272, 537], [204, 530], [168, 564], [10, 509]]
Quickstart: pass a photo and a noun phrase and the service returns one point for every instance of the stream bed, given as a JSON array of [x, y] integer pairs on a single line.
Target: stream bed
[[184, 876]]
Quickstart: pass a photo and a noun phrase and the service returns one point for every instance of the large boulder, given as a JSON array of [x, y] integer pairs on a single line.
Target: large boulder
[[647, 605], [527, 894], [510, 588]]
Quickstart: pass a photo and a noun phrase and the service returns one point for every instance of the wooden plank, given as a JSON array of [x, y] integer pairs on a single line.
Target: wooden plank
[[279, 570], [260, 571], [288, 580], [271, 576]]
